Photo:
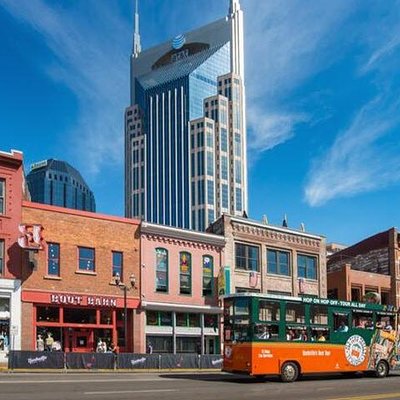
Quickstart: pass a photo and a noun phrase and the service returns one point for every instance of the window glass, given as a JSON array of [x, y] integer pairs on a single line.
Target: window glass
[[211, 321], [151, 318], [266, 332], [181, 319], [247, 257], [53, 259], [307, 267], [185, 273], [362, 320], [47, 314], [207, 275], [194, 320], [268, 310], [320, 334], [278, 262], [161, 270], [341, 322], [2, 195], [297, 333], [385, 322], [1, 257], [80, 315], [318, 314], [86, 259], [295, 313], [165, 318], [117, 259]]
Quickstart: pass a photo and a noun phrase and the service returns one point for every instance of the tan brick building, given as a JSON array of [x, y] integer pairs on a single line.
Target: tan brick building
[[371, 265], [271, 259], [68, 285]]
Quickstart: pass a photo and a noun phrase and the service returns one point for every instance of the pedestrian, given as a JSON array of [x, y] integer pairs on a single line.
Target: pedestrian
[[150, 348]]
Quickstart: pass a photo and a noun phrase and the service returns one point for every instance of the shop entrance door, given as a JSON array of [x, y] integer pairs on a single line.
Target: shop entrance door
[[79, 341]]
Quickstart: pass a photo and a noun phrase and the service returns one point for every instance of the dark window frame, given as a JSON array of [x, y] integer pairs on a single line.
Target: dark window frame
[[53, 259], [246, 257], [85, 259]]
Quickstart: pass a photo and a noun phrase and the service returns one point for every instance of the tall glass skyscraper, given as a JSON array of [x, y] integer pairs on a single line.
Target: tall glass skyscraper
[[56, 183], [185, 131]]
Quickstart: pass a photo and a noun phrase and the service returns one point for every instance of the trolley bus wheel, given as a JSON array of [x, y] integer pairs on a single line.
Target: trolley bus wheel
[[382, 369], [289, 372]]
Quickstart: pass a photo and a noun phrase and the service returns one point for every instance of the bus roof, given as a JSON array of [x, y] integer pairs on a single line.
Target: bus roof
[[317, 300]]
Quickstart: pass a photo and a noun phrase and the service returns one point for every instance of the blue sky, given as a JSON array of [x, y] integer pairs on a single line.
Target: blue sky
[[322, 87]]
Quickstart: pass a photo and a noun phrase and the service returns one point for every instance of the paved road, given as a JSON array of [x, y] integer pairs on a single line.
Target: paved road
[[187, 386]]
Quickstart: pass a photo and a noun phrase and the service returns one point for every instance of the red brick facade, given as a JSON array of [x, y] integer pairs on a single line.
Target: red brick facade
[[76, 288]]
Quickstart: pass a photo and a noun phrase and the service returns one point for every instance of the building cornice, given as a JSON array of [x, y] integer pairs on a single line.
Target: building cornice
[[176, 235]]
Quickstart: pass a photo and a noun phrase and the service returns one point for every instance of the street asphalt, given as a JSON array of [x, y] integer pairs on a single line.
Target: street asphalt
[[187, 386]]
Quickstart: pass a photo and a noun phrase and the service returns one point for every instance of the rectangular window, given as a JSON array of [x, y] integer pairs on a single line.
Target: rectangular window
[[86, 259], [210, 139], [211, 216], [247, 257], [200, 163], [185, 273], [1, 257], [117, 261], [268, 310], [238, 171], [193, 166], [225, 198], [278, 262], [53, 259], [238, 193], [200, 192], [210, 163], [2, 196], [161, 270], [224, 140], [295, 313], [210, 192], [208, 267], [307, 267], [224, 167]]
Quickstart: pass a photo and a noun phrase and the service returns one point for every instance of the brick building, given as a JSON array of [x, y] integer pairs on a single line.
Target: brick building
[[12, 192], [270, 259], [69, 285], [371, 265], [179, 308]]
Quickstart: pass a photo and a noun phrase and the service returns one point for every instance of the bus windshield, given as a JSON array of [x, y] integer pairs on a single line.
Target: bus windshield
[[237, 320]]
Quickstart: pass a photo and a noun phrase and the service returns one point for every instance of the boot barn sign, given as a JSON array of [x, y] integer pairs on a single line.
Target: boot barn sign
[[77, 300]]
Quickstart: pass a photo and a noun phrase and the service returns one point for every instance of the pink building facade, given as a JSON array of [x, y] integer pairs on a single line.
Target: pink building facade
[[180, 310]]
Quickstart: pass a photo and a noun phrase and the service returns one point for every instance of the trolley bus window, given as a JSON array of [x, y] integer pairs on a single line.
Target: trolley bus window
[[320, 334], [268, 310], [363, 320], [341, 322], [241, 320], [318, 314], [295, 313], [266, 332], [386, 322]]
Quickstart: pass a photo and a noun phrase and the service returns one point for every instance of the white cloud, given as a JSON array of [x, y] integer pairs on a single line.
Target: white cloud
[[359, 160], [92, 59]]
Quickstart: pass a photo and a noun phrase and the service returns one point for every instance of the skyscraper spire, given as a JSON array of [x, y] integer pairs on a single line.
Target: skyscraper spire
[[234, 6], [136, 48]]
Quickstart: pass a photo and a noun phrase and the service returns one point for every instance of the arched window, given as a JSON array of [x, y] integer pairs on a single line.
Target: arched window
[[161, 270], [208, 272], [185, 273]]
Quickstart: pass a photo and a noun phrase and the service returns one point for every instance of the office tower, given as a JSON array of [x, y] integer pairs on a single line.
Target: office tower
[[56, 183], [185, 130]]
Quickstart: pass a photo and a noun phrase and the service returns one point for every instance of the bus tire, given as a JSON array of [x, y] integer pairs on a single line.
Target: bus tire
[[382, 369], [289, 372]]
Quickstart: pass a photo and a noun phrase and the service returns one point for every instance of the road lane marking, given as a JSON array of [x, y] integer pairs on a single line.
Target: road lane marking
[[132, 391], [380, 396], [89, 380]]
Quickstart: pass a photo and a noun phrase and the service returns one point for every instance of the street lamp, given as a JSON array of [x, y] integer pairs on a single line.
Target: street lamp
[[125, 288]]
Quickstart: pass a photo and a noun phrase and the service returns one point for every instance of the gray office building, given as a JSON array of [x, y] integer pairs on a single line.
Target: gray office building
[[56, 183], [185, 130]]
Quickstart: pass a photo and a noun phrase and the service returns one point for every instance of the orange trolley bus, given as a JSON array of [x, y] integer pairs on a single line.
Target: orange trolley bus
[[289, 336]]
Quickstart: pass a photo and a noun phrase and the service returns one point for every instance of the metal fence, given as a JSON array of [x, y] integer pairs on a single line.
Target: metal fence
[[110, 361]]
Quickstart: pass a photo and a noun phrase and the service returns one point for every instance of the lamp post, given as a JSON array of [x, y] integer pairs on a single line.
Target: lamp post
[[125, 288]]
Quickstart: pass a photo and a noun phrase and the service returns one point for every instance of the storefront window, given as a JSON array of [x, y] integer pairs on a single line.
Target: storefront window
[[152, 317], [181, 319], [106, 317], [4, 324], [160, 344], [188, 345], [211, 321], [194, 320], [79, 316], [47, 314], [165, 318]]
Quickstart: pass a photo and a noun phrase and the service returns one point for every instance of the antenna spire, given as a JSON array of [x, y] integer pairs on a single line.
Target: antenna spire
[[136, 48], [233, 6]]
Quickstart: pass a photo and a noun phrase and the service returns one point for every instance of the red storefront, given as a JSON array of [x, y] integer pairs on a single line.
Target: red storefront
[[71, 286], [77, 321]]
